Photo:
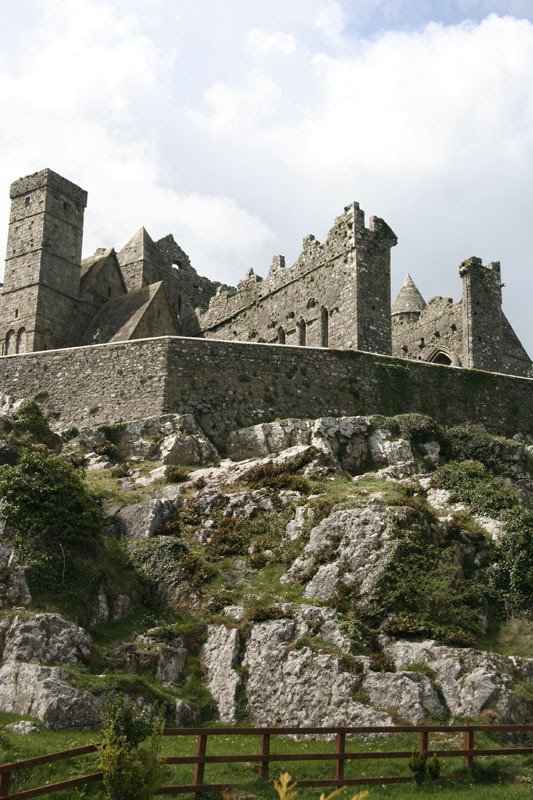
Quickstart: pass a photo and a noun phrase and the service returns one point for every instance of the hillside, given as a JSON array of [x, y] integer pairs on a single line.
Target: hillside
[[353, 570]]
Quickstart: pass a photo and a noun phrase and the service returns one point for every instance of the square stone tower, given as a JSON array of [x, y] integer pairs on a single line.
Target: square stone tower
[[482, 315], [43, 262]]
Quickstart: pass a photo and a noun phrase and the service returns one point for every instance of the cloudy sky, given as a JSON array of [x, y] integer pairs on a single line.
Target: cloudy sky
[[243, 125]]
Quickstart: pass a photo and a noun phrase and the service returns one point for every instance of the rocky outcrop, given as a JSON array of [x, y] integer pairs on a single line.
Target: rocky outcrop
[[412, 697], [220, 657], [471, 682], [14, 589], [44, 692], [142, 520], [291, 685], [349, 548], [43, 638]]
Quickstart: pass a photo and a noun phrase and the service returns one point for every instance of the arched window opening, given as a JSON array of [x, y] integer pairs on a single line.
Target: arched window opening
[[302, 332], [281, 335], [21, 341], [324, 328], [10, 343], [441, 357]]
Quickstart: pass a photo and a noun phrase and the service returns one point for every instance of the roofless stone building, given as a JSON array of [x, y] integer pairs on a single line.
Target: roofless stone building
[[337, 293]]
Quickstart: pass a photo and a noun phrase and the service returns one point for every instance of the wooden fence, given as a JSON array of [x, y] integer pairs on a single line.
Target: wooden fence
[[263, 757]]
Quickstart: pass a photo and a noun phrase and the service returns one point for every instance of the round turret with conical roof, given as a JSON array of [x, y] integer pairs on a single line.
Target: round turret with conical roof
[[409, 301]]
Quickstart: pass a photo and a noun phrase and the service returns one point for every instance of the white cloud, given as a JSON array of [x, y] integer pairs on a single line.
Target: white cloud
[[85, 109], [264, 43], [330, 21], [256, 129]]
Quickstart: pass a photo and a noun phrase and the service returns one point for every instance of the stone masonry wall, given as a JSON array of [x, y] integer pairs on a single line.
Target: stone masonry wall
[[227, 385], [91, 385], [336, 293], [439, 328]]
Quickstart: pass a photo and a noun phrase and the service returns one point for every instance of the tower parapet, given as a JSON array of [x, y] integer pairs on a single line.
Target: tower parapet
[[43, 261]]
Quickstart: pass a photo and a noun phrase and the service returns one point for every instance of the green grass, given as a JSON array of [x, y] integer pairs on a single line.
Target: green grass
[[501, 777]]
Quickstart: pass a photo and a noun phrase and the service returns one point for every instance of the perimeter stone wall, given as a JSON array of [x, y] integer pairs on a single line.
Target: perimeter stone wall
[[227, 385]]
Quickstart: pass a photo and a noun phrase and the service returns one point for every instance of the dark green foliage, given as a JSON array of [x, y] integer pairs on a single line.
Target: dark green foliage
[[417, 428], [28, 426], [70, 433], [129, 755], [471, 483], [512, 572], [113, 433], [283, 476], [121, 718], [412, 596], [418, 764], [473, 443], [175, 474], [433, 767], [233, 536], [46, 503], [169, 563], [264, 613]]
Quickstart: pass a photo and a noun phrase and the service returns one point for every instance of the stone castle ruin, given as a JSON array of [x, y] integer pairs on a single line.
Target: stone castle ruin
[[337, 294]]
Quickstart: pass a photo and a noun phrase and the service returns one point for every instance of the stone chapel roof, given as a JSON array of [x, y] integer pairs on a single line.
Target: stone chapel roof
[[409, 299]]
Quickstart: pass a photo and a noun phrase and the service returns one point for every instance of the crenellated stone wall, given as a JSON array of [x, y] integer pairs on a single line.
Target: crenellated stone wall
[[227, 385], [336, 294]]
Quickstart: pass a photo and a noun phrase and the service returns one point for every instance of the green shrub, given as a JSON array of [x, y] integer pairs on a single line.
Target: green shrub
[[129, 751], [512, 573], [28, 426], [412, 596], [473, 443], [169, 563], [43, 499], [470, 482]]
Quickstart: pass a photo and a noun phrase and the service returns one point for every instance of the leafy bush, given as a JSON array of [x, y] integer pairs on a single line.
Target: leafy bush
[[169, 563], [129, 755], [28, 426], [512, 573], [43, 499], [473, 443], [413, 593], [470, 482], [417, 428]]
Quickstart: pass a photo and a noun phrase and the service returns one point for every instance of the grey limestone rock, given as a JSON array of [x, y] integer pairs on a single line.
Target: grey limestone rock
[[412, 696], [471, 681], [298, 686], [358, 543], [45, 638], [142, 520], [14, 590], [44, 692], [220, 656]]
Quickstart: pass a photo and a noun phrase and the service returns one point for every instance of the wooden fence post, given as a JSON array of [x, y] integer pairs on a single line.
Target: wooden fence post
[[423, 742], [201, 747], [339, 750], [468, 744], [265, 751], [4, 784]]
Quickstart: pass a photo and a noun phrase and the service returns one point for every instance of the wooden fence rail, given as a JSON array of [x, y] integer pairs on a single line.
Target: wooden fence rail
[[264, 757]]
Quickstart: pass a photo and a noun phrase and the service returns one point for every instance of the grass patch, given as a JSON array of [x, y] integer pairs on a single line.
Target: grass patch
[[505, 777]]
